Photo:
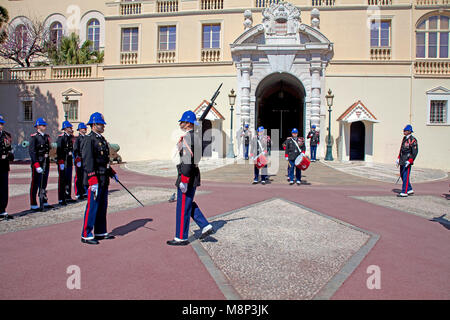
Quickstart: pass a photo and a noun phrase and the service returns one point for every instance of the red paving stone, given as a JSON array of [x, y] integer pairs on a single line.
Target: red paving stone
[[412, 252]]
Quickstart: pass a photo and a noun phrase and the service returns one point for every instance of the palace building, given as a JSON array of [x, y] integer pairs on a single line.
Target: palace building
[[386, 63]]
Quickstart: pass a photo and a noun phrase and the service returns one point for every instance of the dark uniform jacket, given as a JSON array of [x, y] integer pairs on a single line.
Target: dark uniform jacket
[[5, 151], [292, 150], [408, 150], [255, 147], [39, 149], [95, 155], [314, 136], [246, 134], [77, 146], [64, 149], [190, 147]]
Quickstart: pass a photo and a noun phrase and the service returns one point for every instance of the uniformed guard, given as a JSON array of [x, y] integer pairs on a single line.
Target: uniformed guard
[[315, 140], [97, 172], [407, 155], [80, 190], [246, 136], [64, 157], [295, 146], [258, 151], [5, 157], [39, 150], [190, 148]]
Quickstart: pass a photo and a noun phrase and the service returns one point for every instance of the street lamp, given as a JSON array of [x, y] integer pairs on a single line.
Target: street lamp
[[232, 98], [66, 105], [330, 97]]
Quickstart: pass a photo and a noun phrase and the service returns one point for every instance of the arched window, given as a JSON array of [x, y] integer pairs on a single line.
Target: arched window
[[56, 33], [432, 37], [93, 33], [21, 35]]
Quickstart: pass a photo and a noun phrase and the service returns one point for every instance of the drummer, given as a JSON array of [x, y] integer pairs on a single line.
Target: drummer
[[295, 150], [258, 152]]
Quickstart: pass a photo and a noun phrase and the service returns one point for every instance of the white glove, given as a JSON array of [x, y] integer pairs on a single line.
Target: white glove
[[287, 158], [39, 170], [94, 188], [79, 164], [183, 187], [407, 164], [61, 167]]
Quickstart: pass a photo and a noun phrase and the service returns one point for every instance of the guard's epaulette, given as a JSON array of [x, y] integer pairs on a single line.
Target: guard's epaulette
[[33, 134]]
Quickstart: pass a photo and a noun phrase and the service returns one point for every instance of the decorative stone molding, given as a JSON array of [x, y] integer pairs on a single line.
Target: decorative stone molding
[[248, 19]]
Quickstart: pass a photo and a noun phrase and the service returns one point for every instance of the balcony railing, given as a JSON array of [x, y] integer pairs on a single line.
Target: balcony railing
[[130, 8], [210, 55], [380, 53], [431, 2], [129, 57], [166, 56], [379, 2], [323, 3], [211, 4], [432, 67], [167, 6], [264, 3], [78, 72]]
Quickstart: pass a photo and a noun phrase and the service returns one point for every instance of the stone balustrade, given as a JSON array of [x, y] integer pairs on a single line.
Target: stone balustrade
[[379, 2], [167, 5], [78, 72], [210, 55], [432, 2], [130, 8], [322, 3], [211, 4], [166, 56], [264, 3], [129, 57], [432, 67], [381, 53]]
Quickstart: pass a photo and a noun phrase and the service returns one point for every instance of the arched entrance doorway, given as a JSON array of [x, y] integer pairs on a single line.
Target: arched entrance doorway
[[357, 140], [280, 105]]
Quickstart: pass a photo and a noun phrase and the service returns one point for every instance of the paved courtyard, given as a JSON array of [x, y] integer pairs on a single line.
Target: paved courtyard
[[314, 241]]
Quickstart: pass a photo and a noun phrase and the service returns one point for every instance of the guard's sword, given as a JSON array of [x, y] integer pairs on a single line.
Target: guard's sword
[[129, 192]]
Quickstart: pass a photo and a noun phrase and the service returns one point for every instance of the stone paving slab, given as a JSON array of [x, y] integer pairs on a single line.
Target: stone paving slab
[[167, 168], [425, 206], [118, 200], [385, 172], [278, 250], [20, 189]]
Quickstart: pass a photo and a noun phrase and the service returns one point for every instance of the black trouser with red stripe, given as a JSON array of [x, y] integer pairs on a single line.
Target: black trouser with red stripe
[[65, 183], [3, 190], [80, 189], [405, 172], [95, 214], [36, 182]]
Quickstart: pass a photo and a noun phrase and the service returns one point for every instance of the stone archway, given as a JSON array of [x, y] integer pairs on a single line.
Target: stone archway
[[282, 44]]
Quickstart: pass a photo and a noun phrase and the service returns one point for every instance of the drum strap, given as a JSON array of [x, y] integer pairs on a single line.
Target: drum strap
[[295, 142], [262, 149]]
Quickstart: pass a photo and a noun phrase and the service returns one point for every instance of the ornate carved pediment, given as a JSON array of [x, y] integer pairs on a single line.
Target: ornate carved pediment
[[281, 18], [357, 112]]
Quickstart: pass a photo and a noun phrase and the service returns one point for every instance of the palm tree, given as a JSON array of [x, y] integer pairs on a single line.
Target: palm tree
[[69, 52]]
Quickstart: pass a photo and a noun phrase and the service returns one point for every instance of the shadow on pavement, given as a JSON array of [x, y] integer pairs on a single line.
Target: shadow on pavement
[[130, 227], [218, 224], [442, 221]]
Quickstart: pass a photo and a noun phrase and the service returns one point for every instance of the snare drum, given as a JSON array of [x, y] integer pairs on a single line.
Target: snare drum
[[261, 161], [302, 162]]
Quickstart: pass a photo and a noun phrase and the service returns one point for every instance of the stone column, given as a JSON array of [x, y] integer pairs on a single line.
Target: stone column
[[315, 94], [246, 68]]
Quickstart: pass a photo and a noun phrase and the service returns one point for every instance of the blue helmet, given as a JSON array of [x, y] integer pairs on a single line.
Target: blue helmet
[[66, 124], [1, 119], [96, 118], [408, 128], [246, 125], [294, 130], [313, 126], [261, 129], [40, 122], [189, 116], [81, 125]]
